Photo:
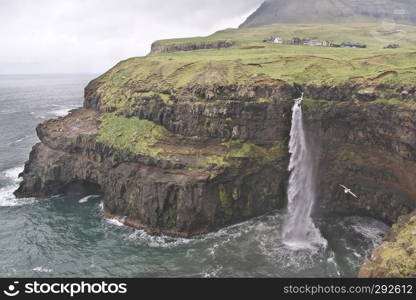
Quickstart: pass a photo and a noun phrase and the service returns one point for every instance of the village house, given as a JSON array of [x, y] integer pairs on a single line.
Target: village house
[[275, 40], [278, 40], [268, 40], [353, 45], [313, 43], [326, 43], [296, 41], [392, 46]]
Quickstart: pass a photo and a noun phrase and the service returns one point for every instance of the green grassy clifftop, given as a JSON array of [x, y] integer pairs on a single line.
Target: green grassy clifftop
[[249, 60]]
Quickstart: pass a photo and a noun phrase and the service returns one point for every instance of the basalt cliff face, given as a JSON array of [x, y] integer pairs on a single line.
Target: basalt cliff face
[[190, 171], [201, 163], [369, 147], [183, 143]]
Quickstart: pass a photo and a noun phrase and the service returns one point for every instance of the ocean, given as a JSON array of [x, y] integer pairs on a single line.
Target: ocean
[[63, 236]]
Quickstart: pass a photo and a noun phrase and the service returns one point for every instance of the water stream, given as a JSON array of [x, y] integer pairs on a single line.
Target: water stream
[[300, 231]]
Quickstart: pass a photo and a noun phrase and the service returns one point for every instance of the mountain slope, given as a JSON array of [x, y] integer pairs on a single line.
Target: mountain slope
[[332, 11]]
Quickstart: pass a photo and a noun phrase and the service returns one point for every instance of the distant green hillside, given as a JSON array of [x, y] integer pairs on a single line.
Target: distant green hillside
[[252, 60], [367, 33], [332, 11]]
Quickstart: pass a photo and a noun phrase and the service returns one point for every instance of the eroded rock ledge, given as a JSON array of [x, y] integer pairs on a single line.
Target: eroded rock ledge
[[157, 47]]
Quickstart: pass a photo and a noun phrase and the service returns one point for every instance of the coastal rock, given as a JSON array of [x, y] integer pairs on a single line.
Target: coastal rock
[[178, 186], [396, 256], [369, 147]]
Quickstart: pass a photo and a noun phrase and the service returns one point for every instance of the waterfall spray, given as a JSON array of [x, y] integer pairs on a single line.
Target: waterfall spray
[[299, 231]]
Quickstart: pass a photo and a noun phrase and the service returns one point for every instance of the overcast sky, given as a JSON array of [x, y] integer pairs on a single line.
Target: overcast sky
[[90, 36]]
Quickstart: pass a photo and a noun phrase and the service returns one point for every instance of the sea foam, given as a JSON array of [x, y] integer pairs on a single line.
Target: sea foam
[[7, 198]]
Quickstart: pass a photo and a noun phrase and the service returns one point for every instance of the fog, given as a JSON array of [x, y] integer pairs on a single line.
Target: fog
[[90, 36]]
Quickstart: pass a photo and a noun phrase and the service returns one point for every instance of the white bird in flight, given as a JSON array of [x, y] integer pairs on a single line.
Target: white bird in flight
[[348, 191]]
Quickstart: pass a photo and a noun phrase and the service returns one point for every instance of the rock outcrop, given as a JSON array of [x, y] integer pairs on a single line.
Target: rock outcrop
[[369, 147], [396, 256], [187, 168], [157, 47]]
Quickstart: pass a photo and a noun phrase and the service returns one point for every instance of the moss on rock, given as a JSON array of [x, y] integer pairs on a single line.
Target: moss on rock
[[138, 136], [396, 257]]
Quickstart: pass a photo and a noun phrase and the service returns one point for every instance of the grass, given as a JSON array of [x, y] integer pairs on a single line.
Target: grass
[[142, 137], [300, 64], [237, 150], [373, 35], [399, 256], [318, 106], [250, 60], [168, 76], [138, 136]]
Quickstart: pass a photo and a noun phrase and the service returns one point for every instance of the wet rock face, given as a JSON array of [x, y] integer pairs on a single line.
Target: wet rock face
[[370, 148]]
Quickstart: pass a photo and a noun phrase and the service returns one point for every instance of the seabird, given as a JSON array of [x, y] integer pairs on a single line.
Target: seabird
[[348, 191]]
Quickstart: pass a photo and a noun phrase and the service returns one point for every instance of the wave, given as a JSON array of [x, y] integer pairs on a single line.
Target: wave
[[62, 111], [162, 241], [7, 198], [219, 238], [42, 270], [17, 141], [87, 198], [212, 272], [37, 116], [371, 230], [115, 221], [13, 173]]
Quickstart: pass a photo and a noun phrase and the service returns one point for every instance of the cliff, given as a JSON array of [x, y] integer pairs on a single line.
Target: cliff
[[332, 11], [396, 257], [159, 47], [187, 142]]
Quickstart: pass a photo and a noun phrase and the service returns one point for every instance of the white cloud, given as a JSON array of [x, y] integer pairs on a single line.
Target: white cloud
[[90, 36]]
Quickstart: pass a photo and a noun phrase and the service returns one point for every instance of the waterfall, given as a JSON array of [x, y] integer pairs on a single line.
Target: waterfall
[[299, 230]]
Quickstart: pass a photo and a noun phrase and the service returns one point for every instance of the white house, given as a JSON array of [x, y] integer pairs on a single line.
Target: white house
[[278, 40], [314, 43]]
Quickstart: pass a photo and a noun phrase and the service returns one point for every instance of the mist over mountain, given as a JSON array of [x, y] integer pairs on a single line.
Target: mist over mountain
[[332, 11]]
